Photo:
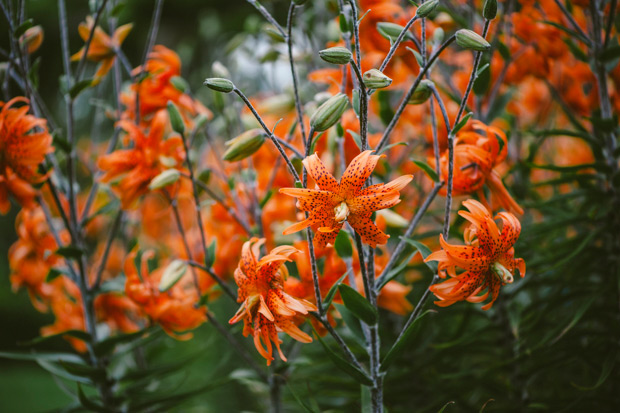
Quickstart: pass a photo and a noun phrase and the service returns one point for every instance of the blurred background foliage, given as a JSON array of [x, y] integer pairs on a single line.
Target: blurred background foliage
[[549, 344]]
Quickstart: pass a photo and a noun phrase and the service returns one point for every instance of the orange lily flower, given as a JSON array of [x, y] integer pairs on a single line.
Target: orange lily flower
[[174, 310], [487, 260], [150, 156], [335, 202], [102, 47], [24, 142], [266, 308], [475, 157]]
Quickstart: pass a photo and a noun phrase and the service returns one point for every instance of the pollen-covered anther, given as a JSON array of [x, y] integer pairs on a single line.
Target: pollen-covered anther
[[503, 273], [342, 212]]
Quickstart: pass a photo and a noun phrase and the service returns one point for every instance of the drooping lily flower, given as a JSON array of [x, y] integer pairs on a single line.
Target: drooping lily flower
[[487, 260], [266, 308], [102, 48], [336, 202]]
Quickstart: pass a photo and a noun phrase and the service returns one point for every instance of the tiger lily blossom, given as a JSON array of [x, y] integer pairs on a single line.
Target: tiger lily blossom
[[102, 47], [487, 260], [336, 202], [266, 308]]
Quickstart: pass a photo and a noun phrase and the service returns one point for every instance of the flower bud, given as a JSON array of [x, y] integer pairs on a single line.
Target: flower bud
[[244, 145], [219, 70], [426, 8], [176, 120], [329, 112], [219, 84], [172, 274], [167, 177], [471, 40], [421, 93], [336, 55], [489, 10], [375, 79], [32, 39], [392, 219], [438, 35]]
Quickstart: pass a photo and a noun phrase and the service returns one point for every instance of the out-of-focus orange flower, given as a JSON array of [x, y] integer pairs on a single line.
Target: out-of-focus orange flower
[[66, 304], [487, 260], [150, 155], [266, 308], [102, 47], [157, 87], [174, 310], [475, 157], [334, 202], [24, 142], [32, 256]]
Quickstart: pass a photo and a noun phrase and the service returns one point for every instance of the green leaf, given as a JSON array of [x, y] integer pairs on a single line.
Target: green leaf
[[79, 334], [424, 251], [305, 407], [390, 146], [358, 304], [356, 137], [397, 270], [53, 274], [428, 169], [56, 370], [32, 356], [461, 123], [61, 143], [332, 292], [210, 259], [89, 404], [568, 31], [343, 246], [21, 29], [356, 102], [352, 323], [84, 370], [444, 407], [608, 367], [266, 199], [386, 113], [402, 343], [366, 399], [356, 373], [79, 87], [70, 251], [116, 10], [503, 50], [483, 80], [107, 346], [581, 310]]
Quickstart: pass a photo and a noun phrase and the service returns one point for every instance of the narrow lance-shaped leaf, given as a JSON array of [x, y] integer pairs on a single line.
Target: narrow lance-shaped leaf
[[358, 305]]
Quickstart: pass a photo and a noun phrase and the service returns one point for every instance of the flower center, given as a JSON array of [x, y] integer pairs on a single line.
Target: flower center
[[502, 272], [341, 211]]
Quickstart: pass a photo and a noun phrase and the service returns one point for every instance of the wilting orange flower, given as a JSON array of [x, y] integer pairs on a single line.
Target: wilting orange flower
[[102, 47], [266, 308], [174, 310], [335, 202], [487, 260], [24, 142], [150, 156], [475, 157]]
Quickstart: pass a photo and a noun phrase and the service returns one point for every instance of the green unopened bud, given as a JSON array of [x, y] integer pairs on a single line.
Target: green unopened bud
[[502, 272], [391, 31], [219, 84], [172, 274], [329, 112], [336, 55], [244, 145], [375, 79], [167, 177], [489, 10], [176, 120], [471, 40], [273, 33], [426, 8], [421, 93], [438, 35]]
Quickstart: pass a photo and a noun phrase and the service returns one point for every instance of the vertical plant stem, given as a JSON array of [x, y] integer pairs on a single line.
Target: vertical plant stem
[[289, 44]]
